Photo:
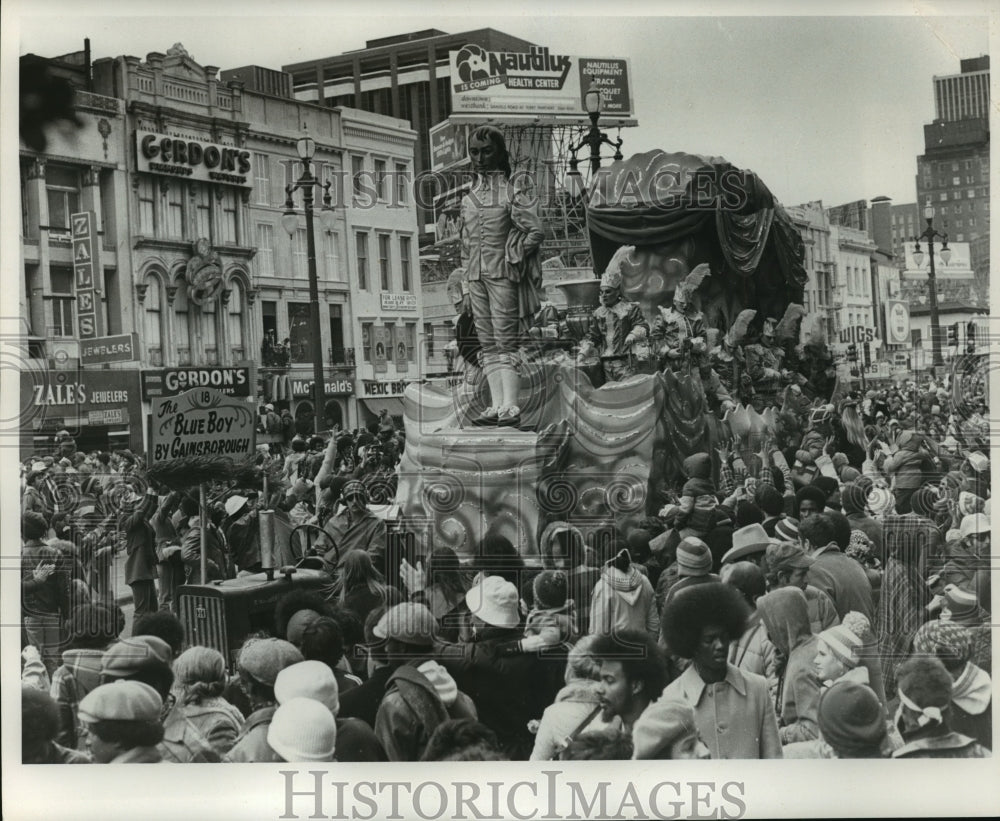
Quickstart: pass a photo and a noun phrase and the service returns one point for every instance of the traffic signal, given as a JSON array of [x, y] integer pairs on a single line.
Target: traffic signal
[[867, 354], [970, 337], [852, 352], [953, 334]]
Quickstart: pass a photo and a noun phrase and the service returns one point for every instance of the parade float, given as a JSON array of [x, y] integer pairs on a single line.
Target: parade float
[[597, 453]]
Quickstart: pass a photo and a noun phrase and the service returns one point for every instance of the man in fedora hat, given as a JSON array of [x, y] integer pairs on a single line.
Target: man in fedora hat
[[749, 544]]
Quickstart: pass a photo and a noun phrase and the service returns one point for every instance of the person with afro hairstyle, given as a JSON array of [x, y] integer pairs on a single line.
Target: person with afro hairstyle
[[463, 739], [733, 709], [632, 675], [162, 624], [39, 729], [924, 714]]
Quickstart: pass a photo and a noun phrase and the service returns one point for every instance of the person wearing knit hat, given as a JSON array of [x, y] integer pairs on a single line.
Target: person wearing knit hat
[[809, 501], [259, 663], [308, 679], [962, 607], [854, 501], [623, 597], [852, 721], [552, 619], [838, 650], [972, 688], [665, 731], [698, 501], [849, 474], [355, 527], [924, 716], [303, 730], [787, 530], [694, 566], [121, 721]]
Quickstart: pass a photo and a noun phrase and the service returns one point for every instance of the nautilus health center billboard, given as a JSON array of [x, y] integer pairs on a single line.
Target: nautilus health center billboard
[[536, 83]]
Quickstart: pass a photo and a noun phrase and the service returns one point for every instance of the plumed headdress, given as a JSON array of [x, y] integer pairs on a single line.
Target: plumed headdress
[[736, 334], [685, 290], [612, 277], [786, 328]]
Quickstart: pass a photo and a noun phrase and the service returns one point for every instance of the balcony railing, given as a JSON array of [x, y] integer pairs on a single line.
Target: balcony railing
[[284, 356], [340, 357]]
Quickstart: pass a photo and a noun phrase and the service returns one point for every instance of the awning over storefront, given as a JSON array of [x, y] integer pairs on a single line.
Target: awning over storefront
[[392, 404]]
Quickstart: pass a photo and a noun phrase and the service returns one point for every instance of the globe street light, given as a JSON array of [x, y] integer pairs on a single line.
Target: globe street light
[[930, 235], [306, 148], [594, 138]]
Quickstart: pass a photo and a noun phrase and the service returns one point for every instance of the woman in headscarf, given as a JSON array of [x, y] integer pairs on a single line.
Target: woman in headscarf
[[201, 726]]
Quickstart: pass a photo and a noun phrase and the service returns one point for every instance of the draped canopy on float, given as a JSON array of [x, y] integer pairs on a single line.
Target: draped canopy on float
[[727, 215]]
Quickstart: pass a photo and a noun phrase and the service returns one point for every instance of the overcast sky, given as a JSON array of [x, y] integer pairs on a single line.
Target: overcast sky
[[826, 108]]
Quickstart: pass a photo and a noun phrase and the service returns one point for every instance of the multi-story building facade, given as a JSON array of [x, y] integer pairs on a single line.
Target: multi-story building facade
[[77, 170], [186, 176], [821, 301]]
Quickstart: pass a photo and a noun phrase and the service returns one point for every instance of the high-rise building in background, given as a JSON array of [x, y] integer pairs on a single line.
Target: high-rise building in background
[[953, 173]]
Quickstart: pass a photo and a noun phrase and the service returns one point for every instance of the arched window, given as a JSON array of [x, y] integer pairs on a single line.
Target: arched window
[[182, 324], [208, 351], [237, 325], [154, 320]]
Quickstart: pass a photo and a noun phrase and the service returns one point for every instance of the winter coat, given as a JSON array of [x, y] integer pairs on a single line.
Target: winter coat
[[785, 615], [906, 468], [942, 744], [79, 673], [573, 704], [140, 541], [420, 696], [363, 701], [844, 580], [822, 613], [623, 600], [48, 597], [548, 627], [251, 744], [200, 732], [509, 689], [754, 652]]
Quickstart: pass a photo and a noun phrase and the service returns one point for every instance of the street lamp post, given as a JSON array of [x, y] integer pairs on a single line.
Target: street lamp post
[[594, 139], [930, 235], [306, 147]]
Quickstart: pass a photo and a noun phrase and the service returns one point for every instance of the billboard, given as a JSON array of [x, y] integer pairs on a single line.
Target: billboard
[[449, 145], [897, 322], [87, 272], [537, 83], [959, 265]]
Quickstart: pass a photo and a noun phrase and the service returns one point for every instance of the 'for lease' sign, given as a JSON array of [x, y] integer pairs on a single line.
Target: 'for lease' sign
[[201, 422]]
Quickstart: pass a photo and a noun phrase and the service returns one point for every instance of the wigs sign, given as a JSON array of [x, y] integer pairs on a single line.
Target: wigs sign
[[535, 83]]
